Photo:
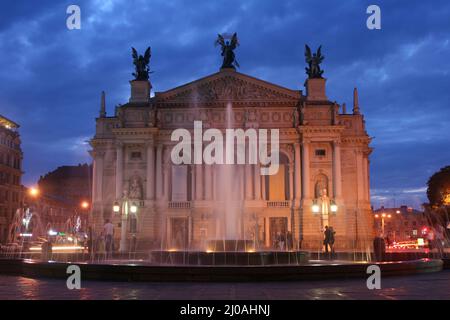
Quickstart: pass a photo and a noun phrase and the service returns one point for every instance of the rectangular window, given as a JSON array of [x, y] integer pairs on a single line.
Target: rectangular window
[[320, 153], [136, 155]]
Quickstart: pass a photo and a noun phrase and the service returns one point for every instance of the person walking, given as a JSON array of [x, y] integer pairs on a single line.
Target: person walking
[[326, 240], [331, 240]]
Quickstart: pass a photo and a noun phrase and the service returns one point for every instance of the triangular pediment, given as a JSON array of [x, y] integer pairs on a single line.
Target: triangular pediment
[[226, 86]]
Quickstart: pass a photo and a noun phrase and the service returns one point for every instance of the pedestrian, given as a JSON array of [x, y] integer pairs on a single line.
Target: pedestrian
[[326, 240], [108, 231], [331, 240], [379, 247]]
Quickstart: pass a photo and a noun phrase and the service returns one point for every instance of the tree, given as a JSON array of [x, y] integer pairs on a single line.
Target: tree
[[438, 191]]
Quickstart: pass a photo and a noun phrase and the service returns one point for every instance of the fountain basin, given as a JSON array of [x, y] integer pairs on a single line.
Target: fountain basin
[[258, 258], [231, 245], [138, 271]]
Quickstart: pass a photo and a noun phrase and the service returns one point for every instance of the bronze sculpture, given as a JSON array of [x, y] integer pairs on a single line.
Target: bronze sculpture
[[229, 59], [313, 61], [141, 64]]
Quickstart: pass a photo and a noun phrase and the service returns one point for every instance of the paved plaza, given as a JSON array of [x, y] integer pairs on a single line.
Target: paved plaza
[[423, 286]]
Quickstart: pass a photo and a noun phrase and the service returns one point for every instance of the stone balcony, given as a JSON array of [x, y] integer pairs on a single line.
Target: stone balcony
[[246, 204]]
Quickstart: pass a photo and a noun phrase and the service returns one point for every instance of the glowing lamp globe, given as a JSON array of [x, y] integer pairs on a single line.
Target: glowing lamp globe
[[334, 208], [116, 207], [315, 208]]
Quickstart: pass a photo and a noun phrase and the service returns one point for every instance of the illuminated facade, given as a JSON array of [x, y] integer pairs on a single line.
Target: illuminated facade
[[10, 174], [324, 160], [401, 224]]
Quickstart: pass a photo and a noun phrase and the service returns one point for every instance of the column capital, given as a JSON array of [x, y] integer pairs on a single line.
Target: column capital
[[97, 153], [306, 141], [119, 144], [149, 143]]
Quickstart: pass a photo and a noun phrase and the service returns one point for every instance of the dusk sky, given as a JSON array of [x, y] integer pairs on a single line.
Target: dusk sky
[[51, 77]]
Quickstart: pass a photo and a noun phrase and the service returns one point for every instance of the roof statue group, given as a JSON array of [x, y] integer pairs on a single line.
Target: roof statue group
[[228, 44]]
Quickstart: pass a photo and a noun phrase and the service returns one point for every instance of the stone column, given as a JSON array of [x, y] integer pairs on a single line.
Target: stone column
[[208, 182], [291, 180], [248, 182], [150, 172], [99, 176], [119, 170], [239, 171], [306, 183], [267, 231], [366, 177], [192, 182], [94, 176], [298, 183], [167, 175], [199, 181], [263, 187], [337, 170], [159, 172], [216, 182], [257, 182], [359, 175]]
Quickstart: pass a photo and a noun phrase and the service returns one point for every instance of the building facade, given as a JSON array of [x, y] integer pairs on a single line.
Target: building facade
[[324, 159], [51, 212], [10, 174], [71, 183], [401, 224]]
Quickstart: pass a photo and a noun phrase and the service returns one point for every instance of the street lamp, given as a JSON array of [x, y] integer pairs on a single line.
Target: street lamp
[[34, 192], [324, 205], [84, 204], [383, 216], [124, 209]]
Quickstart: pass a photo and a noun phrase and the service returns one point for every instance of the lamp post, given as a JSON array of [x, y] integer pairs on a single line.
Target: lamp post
[[323, 206], [124, 209], [85, 206], [383, 216]]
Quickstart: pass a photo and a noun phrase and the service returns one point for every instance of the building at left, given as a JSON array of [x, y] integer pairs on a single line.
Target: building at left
[[10, 173]]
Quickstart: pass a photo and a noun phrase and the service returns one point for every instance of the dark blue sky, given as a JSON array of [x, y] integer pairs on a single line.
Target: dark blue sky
[[51, 78]]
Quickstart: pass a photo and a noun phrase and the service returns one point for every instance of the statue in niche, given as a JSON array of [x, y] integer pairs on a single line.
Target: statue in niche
[[321, 187], [152, 117], [296, 117], [158, 118], [135, 188], [302, 114]]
